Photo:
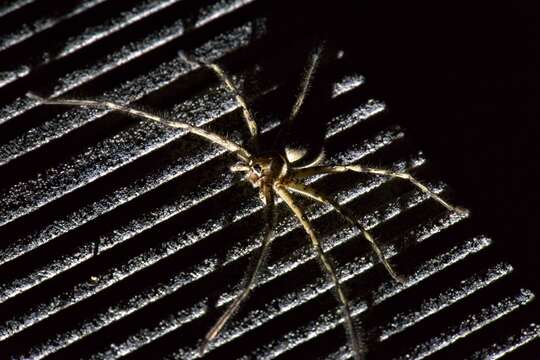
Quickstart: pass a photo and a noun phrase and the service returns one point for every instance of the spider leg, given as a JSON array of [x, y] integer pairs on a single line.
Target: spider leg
[[326, 265], [317, 170], [270, 215], [233, 89], [312, 193], [205, 134], [304, 148], [307, 80]]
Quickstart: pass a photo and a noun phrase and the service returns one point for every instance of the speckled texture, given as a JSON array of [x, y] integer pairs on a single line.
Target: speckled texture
[[176, 230]]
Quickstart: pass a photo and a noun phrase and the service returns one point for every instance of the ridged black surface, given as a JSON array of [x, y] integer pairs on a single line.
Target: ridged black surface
[[176, 228]]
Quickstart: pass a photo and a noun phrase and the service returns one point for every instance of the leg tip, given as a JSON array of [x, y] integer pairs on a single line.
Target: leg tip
[[203, 348], [462, 211], [400, 279], [34, 96], [182, 54], [189, 59]]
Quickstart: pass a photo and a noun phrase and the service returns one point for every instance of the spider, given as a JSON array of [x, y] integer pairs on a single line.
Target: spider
[[276, 175]]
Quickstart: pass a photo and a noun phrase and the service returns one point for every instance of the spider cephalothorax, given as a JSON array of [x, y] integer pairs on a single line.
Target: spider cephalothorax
[[263, 170]]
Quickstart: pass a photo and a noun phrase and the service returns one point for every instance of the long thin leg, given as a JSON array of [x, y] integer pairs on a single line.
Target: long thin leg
[[251, 280], [301, 147], [226, 79], [317, 170], [316, 195], [309, 73], [327, 267], [208, 135]]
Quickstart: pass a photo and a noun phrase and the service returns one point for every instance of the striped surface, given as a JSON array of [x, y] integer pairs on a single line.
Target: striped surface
[[176, 228]]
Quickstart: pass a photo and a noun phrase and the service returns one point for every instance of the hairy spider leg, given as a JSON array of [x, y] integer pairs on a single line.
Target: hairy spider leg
[[210, 136], [233, 89], [318, 170], [270, 216], [327, 266], [241, 152], [309, 73], [294, 154], [312, 193]]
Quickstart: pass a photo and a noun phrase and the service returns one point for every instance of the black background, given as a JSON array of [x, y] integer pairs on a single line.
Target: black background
[[463, 78]]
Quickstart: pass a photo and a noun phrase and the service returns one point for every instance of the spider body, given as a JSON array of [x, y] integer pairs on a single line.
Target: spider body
[[264, 172], [276, 176]]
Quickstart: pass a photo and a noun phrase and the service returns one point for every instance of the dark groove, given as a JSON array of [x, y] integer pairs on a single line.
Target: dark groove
[[176, 241]]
